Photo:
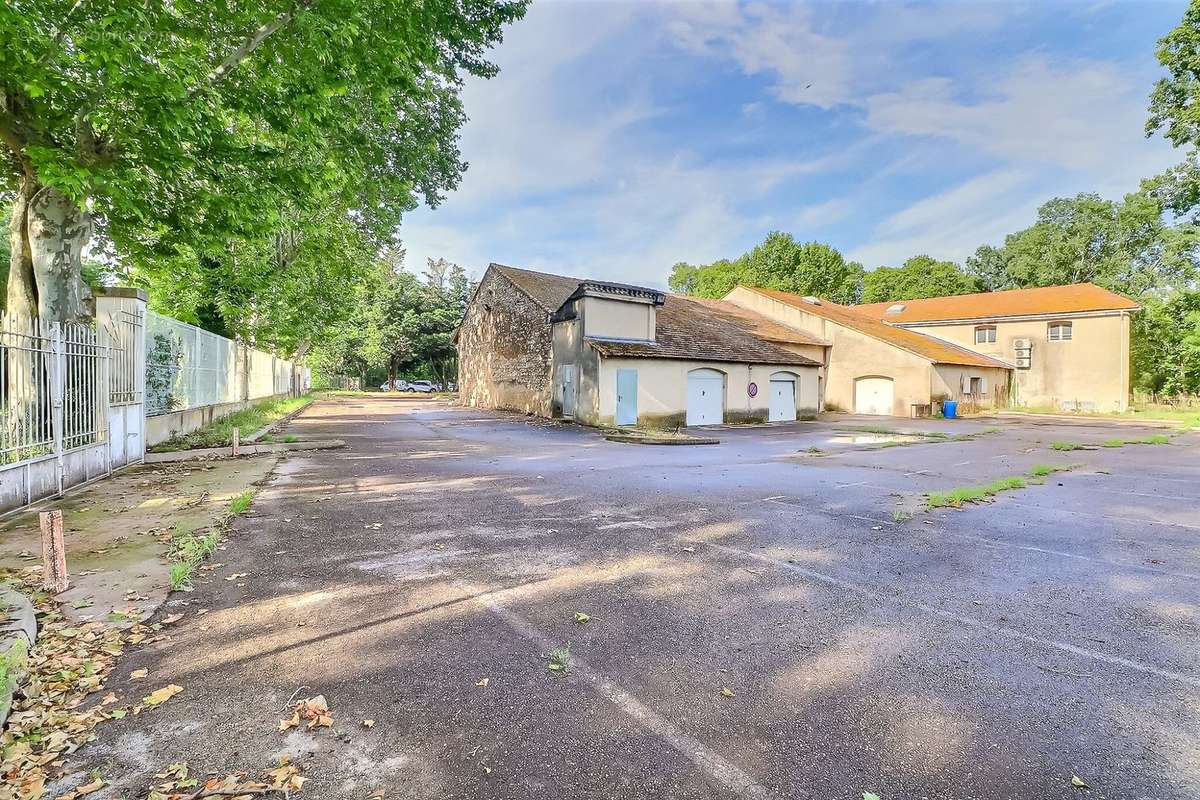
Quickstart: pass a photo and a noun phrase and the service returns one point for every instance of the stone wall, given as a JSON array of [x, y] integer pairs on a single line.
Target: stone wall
[[504, 350]]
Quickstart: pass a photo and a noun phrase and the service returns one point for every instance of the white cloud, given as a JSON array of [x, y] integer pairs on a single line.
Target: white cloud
[[808, 66], [820, 214], [1075, 116], [952, 223]]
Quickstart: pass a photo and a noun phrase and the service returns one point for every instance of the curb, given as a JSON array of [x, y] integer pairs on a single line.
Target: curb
[[261, 432], [245, 450], [17, 634], [676, 442]]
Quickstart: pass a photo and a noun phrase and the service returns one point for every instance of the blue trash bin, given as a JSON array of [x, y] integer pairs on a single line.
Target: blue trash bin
[[950, 409]]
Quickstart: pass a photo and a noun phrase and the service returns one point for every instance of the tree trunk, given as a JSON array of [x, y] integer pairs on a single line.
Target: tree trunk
[[48, 233]]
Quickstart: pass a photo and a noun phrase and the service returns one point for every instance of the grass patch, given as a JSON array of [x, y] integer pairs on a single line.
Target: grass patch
[[560, 659], [188, 550], [290, 438], [1065, 446], [241, 503], [1114, 442], [900, 515], [219, 433], [955, 498], [1158, 438]]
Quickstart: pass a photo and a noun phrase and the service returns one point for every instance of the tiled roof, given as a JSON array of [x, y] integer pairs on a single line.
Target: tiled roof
[[712, 330], [936, 350], [548, 291], [1073, 299]]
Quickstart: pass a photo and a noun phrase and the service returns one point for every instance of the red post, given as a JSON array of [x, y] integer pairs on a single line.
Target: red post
[[54, 552]]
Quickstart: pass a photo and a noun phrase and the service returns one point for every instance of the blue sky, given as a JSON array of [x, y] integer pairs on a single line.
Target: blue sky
[[620, 138]]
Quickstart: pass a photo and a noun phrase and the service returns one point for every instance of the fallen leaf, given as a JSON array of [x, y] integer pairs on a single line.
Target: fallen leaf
[[368, 723], [482, 682], [554, 667], [1079, 783], [581, 617], [139, 673], [726, 692], [689, 549], [172, 619], [870, 796], [160, 696]]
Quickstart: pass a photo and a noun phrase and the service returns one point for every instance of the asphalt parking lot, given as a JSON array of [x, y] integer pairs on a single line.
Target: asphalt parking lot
[[775, 616]]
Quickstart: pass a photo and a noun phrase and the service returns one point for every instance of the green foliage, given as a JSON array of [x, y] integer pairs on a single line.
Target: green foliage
[[239, 173], [780, 262], [920, 276], [1124, 246], [1175, 101], [1065, 447], [1166, 344], [401, 324]]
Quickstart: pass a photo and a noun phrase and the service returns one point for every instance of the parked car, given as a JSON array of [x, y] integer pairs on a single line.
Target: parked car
[[421, 386], [394, 386]]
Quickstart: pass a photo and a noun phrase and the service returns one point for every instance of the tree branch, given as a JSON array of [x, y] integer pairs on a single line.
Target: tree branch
[[253, 41]]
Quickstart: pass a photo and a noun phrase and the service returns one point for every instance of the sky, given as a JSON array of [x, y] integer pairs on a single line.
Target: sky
[[620, 138]]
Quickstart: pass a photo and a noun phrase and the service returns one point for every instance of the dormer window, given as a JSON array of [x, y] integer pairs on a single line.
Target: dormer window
[[1059, 332], [985, 334]]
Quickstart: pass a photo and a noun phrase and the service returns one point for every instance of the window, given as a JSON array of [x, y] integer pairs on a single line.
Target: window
[[985, 334], [1059, 332], [977, 385]]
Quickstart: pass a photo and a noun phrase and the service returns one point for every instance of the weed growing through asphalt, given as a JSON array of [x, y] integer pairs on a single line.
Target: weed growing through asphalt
[[290, 438], [1065, 446], [560, 659], [955, 498], [188, 550], [900, 515], [241, 503]]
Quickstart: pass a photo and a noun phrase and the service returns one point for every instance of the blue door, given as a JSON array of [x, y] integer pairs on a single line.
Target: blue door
[[627, 397]]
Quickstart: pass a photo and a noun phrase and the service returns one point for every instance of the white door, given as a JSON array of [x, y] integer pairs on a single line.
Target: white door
[[627, 389], [567, 382], [705, 397], [873, 396], [783, 398]]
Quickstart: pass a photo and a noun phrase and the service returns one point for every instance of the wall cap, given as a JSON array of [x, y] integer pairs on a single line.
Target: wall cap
[[122, 291]]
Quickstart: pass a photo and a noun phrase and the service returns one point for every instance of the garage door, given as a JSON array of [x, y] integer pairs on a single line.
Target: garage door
[[783, 397], [873, 396], [705, 397]]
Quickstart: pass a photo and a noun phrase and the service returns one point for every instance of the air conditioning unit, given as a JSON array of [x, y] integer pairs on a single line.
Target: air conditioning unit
[[1022, 344]]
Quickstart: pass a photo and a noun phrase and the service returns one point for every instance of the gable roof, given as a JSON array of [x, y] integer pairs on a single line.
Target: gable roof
[[712, 330], [1072, 299], [938, 351], [548, 291]]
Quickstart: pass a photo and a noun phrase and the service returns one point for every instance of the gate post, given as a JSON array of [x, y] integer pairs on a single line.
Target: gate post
[[58, 390]]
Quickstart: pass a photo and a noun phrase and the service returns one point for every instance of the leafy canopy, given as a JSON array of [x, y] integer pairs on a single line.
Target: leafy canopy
[[919, 277], [780, 262], [189, 125]]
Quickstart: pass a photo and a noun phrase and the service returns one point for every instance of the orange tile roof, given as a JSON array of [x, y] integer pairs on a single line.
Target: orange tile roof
[[936, 350], [1073, 299]]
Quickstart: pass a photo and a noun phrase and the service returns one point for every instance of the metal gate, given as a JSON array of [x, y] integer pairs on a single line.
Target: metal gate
[[124, 331]]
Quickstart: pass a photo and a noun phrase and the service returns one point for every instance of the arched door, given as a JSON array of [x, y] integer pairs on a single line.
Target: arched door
[[782, 406], [705, 397], [874, 395]]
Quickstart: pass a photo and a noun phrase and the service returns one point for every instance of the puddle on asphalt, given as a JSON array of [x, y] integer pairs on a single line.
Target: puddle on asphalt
[[874, 438]]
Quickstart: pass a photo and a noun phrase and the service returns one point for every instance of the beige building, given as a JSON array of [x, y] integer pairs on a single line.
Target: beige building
[[877, 368], [604, 353], [1069, 344]]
